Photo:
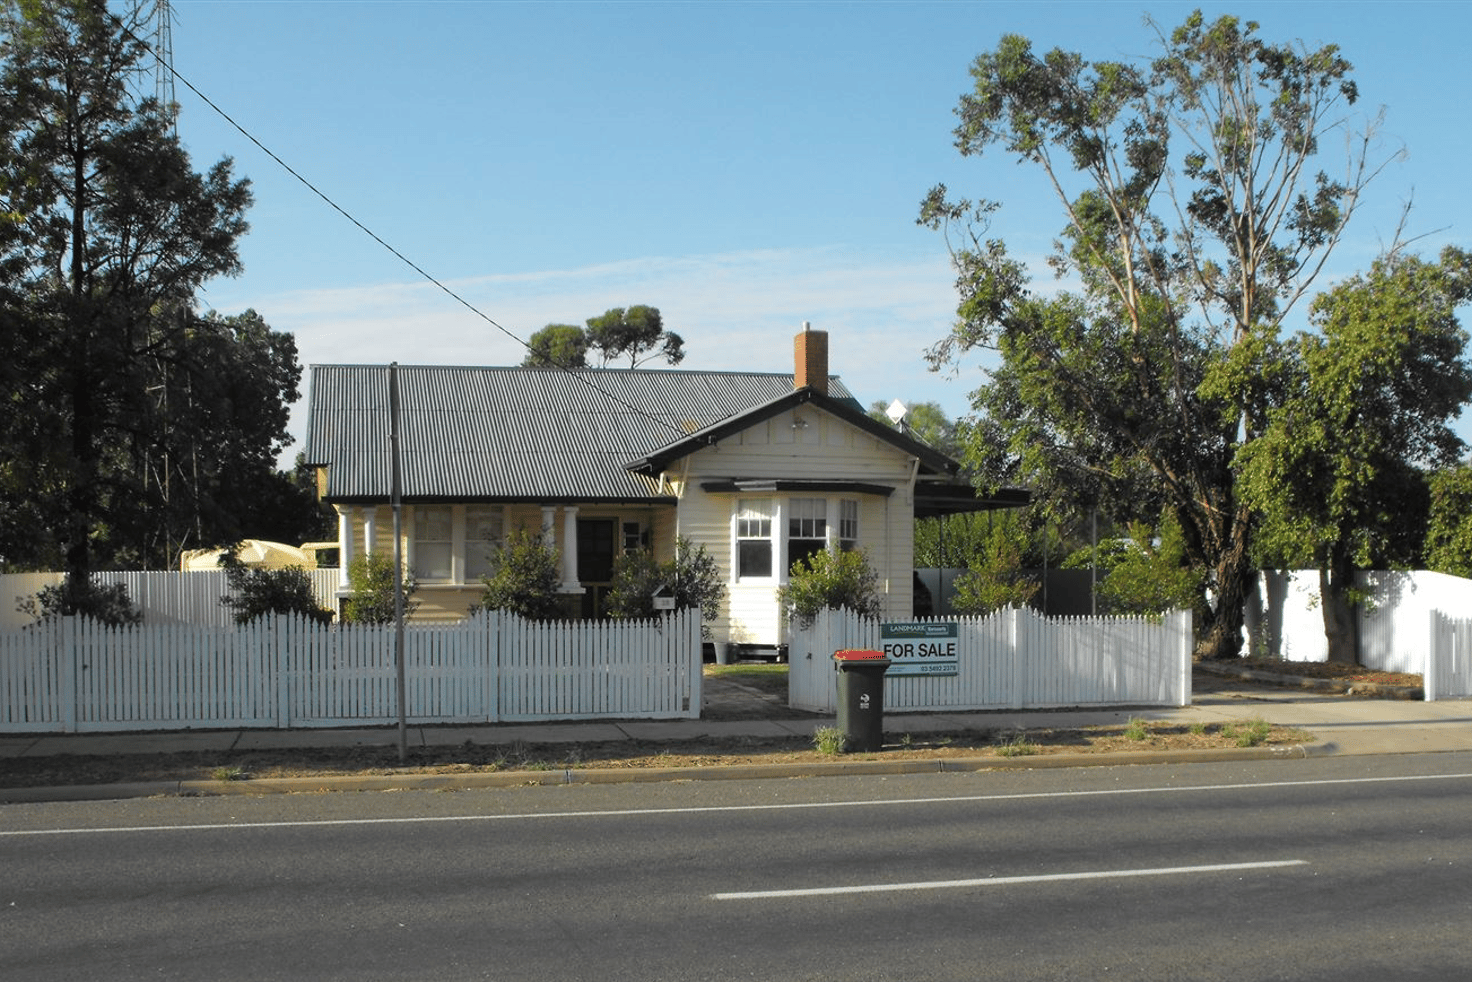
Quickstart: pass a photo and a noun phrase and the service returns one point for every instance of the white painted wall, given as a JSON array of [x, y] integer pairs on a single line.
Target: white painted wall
[[825, 449]]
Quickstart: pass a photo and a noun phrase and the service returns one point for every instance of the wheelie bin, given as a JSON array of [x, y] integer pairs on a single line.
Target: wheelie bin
[[861, 697]]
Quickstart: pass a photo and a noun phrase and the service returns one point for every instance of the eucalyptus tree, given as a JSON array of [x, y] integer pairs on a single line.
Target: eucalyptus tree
[[557, 346], [1196, 211], [636, 333]]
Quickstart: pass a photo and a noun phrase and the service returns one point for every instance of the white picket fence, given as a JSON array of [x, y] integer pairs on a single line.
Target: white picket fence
[[1012, 659], [74, 675], [164, 596], [1449, 669]]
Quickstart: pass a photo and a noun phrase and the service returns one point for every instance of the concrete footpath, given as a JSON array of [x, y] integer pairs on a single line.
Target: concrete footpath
[[1339, 724]]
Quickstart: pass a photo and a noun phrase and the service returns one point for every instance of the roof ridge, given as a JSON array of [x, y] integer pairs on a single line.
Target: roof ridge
[[529, 368]]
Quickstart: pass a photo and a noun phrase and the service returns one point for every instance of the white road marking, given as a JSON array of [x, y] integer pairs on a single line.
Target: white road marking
[[714, 809], [1003, 881]]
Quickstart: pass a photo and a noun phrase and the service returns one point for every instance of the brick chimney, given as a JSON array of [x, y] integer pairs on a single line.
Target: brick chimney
[[811, 351]]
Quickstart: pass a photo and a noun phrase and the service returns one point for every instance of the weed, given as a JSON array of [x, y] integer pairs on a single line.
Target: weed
[[829, 740], [1250, 734], [229, 774], [1137, 729], [1198, 729], [1018, 746], [907, 741]]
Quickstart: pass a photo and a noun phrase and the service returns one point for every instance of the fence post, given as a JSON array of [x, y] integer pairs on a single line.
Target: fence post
[[1014, 659], [1183, 628], [67, 664], [272, 634], [491, 628], [1434, 655]]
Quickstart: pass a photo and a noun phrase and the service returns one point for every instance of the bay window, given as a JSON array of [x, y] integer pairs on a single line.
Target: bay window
[[807, 528], [792, 530]]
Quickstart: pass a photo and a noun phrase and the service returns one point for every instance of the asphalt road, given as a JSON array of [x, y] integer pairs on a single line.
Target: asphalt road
[[1338, 868]]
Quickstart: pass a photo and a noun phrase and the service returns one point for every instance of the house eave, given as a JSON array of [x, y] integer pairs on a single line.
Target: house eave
[[443, 499]]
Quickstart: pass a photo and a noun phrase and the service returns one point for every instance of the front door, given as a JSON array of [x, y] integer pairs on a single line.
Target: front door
[[597, 547]]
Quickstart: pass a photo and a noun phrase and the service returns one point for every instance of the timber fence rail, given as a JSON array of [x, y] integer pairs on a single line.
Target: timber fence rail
[[1012, 659], [73, 675]]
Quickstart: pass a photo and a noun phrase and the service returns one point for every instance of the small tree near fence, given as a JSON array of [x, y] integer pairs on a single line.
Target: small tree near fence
[[835, 581], [692, 579], [261, 592], [526, 579], [108, 603], [994, 579], [372, 581]]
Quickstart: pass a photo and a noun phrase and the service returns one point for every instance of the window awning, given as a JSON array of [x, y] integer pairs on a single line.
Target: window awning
[[763, 485]]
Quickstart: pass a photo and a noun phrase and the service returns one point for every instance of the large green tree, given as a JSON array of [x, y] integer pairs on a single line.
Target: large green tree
[[1195, 217], [132, 421], [1336, 476]]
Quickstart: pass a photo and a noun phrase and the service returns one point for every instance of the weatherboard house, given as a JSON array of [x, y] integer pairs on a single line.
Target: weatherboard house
[[761, 469]]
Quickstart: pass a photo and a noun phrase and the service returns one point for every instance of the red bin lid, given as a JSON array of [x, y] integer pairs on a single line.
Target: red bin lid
[[858, 654]]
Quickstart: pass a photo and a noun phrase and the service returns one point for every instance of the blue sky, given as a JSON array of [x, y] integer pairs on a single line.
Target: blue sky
[[743, 166]]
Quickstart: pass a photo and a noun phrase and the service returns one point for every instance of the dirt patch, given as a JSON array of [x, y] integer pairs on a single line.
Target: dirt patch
[[1327, 670], [704, 752]]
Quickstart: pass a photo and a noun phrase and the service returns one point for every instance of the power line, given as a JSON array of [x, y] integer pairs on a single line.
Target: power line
[[174, 72]]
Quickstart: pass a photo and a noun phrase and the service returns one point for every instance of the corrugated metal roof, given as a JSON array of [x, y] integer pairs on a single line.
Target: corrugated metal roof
[[517, 433]]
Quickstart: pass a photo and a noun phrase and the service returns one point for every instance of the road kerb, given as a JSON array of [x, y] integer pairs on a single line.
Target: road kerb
[[337, 784]]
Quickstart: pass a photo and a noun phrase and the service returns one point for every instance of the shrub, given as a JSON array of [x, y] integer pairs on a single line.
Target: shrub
[[107, 604], [1146, 573], [994, 580], [261, 592], [829, 581], [691, 578], [372, 580], [526, 579]]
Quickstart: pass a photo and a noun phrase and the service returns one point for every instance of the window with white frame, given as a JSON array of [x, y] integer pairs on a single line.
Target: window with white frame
[[848, 525], [807, 528], [434, 542], [753, 537], [483, 530]]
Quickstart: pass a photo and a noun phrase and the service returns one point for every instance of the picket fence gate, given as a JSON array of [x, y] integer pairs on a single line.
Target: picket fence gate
[[74, 675], [1011, 659], [1449, 663]]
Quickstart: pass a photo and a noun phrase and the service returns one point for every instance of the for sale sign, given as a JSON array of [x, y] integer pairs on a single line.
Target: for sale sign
[[921, 649]]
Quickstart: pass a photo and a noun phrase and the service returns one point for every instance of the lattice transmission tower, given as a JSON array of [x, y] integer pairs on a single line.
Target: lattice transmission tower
[[163, 52]]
